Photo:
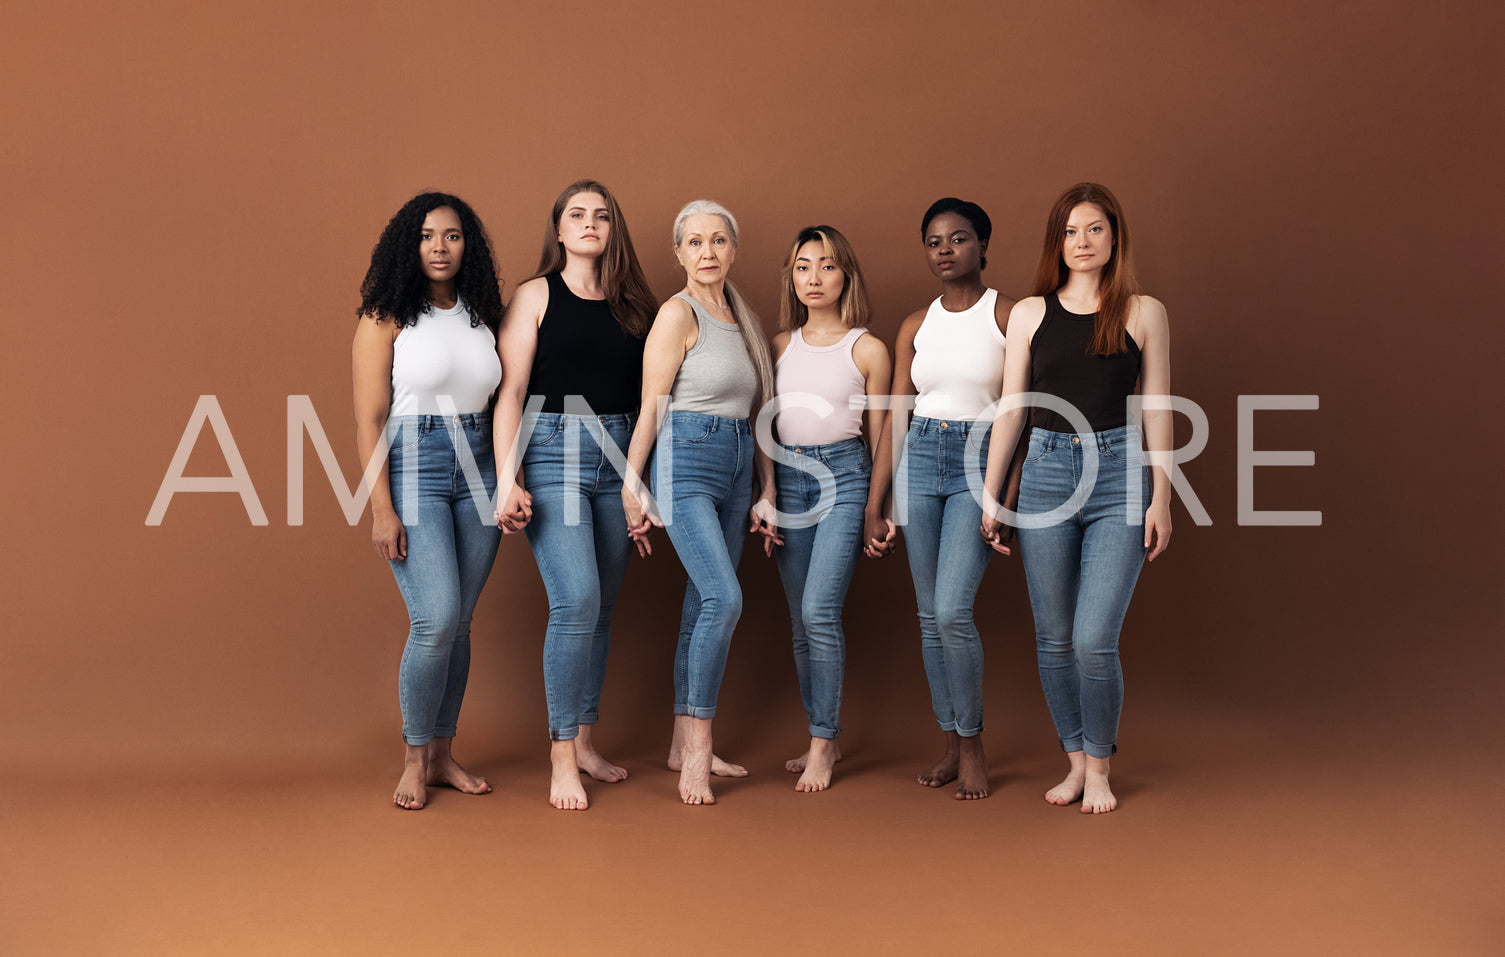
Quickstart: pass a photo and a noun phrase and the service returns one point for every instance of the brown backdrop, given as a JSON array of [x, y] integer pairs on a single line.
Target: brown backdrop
[[193, 191]]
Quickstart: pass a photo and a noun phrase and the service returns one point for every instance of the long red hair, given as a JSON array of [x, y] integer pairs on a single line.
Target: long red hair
[[1117, 284]]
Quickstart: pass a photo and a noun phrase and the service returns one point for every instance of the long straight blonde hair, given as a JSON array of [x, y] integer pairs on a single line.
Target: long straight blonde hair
[[747, 321]]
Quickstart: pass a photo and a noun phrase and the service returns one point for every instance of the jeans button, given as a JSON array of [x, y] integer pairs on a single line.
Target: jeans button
[[945, 425], [1076, 440]]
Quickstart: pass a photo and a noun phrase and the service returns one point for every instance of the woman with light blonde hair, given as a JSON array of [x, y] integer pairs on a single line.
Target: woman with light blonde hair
[[707, 355]]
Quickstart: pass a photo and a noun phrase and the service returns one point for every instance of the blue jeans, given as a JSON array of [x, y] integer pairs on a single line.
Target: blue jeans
[[947, 558], [710, 461], [452, 541], [1081, 574], [579, 539], [829, 548]]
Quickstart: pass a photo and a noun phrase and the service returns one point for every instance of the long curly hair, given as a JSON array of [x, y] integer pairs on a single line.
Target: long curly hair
[[622, 279], [1117, 284], [395, 286]]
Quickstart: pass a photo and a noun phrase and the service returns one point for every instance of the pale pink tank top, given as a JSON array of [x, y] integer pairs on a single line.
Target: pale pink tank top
[[810, 375]]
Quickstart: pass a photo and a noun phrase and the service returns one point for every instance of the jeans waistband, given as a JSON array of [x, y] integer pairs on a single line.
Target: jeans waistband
[[475, 421], [712, 423], [827, 450], [610, 421], [1123, 433], [920, 425]]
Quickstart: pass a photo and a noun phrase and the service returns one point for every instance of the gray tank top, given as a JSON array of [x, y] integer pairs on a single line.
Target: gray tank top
[[717, 376]]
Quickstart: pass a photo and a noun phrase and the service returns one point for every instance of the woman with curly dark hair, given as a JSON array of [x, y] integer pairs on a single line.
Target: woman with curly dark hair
[[425, 370], [575, 329]]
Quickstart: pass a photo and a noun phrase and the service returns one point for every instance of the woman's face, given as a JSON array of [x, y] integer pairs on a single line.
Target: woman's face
[[706, 251], [818, 281], [585, 224], [441, 245], [1088, 243], [951, 246]]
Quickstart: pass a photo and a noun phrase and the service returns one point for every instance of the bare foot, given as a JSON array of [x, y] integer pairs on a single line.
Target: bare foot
[[443, 769], [823, 754], [1097, 797], [695, 764], [411, 793], [590, 761], [943, 772], [720, 768], [565, 790], [1070, 789], [796, 765], [972, 772]]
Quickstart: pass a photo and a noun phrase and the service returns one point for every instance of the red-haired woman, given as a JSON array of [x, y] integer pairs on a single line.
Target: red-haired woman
[[1082, 344]]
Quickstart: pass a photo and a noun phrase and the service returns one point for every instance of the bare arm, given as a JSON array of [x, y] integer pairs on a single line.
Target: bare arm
[[672, 335], [1008, 425], [371, 372], [1154, 338], [885, 455], [871, 357], [516, 344]]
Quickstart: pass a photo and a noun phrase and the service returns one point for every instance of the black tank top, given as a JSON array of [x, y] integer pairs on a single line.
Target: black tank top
[[1061, 365], [583, 350]]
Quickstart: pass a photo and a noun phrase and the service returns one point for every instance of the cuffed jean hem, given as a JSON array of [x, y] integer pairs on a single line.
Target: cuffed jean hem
[[963, 733], [564, 734], [589, 717], [417, 740], [1092, 750], [818, 732], [689, 711]]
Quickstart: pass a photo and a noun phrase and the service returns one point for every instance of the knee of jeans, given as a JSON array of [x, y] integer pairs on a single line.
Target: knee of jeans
[[723, 607], [1096, 658], [954, 620], [575, 606], [436, 624], [822, 622]]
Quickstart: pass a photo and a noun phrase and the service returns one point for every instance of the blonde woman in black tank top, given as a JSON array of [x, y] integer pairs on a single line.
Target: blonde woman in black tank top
[[575, 330], [1085, 337]]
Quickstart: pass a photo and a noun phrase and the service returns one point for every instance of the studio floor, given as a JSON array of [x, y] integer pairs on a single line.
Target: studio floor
[[1244, 838]]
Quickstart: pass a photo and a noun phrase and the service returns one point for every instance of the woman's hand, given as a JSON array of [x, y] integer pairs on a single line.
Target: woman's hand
[[877, 536], [516, 510], [388, 535], [1157, 527], [764, 522], [640, 520], [996, 534]]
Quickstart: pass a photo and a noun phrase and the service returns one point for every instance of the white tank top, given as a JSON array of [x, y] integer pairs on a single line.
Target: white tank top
[[823, 372], [958, 361], [443, 354]]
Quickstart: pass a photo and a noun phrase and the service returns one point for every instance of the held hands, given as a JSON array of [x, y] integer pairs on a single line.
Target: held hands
[[388, 536], [764, 522], [516, 510], [640, 520], [877, 536], [1000, 537], [1157, 527]]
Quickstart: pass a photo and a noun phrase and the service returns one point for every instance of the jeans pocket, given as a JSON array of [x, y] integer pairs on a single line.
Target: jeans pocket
[[1126, 451], [545, 434], [1037, 449]]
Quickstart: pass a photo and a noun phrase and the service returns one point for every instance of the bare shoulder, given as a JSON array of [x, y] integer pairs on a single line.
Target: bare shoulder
[[1147, 318], [780, 343], [375, 327], [676, 312], [1026, 314], [911, 325], [871, 355], [1003, 305], [531, 299]]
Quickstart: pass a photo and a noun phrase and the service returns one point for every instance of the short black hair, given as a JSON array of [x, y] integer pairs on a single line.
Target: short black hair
[[971, 212]]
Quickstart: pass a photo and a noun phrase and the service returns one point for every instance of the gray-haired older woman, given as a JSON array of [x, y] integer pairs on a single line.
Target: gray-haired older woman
[[706, 352]]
